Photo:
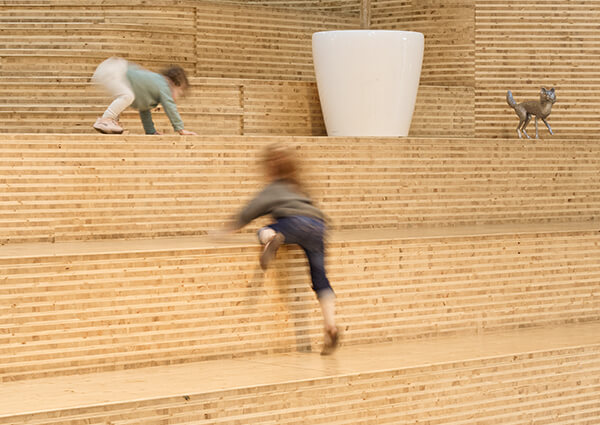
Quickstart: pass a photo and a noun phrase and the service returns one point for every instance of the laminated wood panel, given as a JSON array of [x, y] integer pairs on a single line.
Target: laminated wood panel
[[91, 307], [523, 46]]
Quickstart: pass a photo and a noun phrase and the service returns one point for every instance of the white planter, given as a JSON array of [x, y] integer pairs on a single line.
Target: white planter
[[368, 80]]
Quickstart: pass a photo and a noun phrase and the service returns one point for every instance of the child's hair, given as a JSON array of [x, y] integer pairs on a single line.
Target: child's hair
[[281, 164], [176, 74]]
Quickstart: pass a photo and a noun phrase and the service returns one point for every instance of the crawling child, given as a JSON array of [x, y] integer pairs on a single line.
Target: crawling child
[[131, 85]]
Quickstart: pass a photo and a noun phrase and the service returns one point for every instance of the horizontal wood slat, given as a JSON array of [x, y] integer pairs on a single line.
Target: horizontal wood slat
[[212, 106], [207, 38], [349, 7]]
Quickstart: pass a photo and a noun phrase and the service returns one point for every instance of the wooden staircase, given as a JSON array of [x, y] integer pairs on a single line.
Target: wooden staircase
[[431, 239], [466, 267]]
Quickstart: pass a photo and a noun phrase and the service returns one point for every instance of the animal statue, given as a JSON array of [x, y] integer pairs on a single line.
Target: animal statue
[[538, 108]]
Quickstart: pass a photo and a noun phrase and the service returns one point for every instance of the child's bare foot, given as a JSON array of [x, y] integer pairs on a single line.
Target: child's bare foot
[[332, 339], [270, 249], [107, 126], [187, 133]]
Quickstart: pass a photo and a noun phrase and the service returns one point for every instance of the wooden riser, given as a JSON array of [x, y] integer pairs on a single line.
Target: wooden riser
[[223, 39], [208, 38], [58, 188], [214, 106], [407, 272], [448, 26], [507, 33], [538, 376], [75, 312]]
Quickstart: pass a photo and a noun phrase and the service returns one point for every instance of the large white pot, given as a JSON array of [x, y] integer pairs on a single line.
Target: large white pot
[[368, 80]]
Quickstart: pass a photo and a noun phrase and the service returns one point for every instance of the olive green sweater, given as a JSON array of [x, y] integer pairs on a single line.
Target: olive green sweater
[[280, 199]]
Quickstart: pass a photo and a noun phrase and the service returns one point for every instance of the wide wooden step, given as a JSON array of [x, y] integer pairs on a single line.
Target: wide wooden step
[[213, 106], [67, 187], [539, 375], [77, 307]]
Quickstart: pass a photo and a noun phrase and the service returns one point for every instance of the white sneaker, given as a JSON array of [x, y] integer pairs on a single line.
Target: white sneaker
[[107, 126]]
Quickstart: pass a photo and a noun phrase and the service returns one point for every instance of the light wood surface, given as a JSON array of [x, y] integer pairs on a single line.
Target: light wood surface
[[536, 375], [214, 106], [211, 106], [449, 29], [97, 306], [66, 187], [349, 7], [207, 38], [523, 46], [248, 43], [465, 262], [254, 42], [493, 47], [444, 111], [475, 50]]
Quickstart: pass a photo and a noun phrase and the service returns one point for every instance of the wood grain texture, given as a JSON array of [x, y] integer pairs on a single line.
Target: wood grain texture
[[90, 307], [347, 7], [523, 46], [82, 186], [53, 41], [533, 375], [449, 30], [465, 264], [211, 106]]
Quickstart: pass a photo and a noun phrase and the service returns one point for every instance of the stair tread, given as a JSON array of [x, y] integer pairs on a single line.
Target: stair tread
[[190, 379], [93, 247]]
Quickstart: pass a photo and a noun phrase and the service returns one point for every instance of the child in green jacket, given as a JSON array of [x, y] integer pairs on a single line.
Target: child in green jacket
[[130, 85]]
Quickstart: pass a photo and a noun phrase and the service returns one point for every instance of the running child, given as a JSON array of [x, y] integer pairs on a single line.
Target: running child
[[297, 221]]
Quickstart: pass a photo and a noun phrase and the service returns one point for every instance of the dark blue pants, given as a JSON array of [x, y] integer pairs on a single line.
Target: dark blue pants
[[309, 234]]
